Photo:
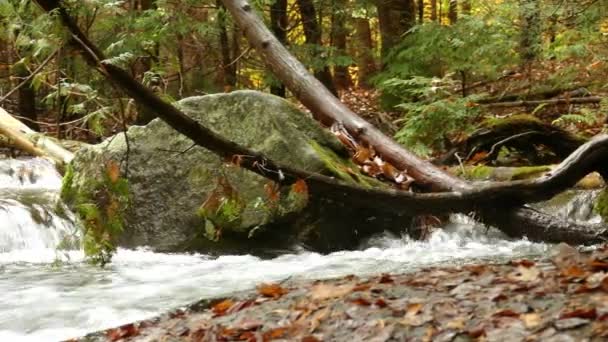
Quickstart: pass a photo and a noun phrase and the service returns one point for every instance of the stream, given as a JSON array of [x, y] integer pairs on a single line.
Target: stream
[[49, 293]]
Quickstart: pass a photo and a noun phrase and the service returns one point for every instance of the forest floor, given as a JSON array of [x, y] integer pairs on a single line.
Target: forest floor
[[563, 297]]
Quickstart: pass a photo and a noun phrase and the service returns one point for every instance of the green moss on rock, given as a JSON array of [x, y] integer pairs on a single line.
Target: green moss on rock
[[601, 204], [100, 204]]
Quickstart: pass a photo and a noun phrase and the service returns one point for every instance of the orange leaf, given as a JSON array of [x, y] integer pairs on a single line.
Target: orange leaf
[[300, 187], [113, 171], [272, 191], [361, 301], [220, 308], [271, 290], [275, 333], [506, 313], [574, 272], [580, 313]]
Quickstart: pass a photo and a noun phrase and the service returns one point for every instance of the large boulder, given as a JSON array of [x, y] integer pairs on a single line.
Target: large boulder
[[177, 196]]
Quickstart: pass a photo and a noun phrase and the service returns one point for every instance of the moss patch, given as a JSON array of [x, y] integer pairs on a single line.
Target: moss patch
[[101, 205], [601, 204], [344, 169]]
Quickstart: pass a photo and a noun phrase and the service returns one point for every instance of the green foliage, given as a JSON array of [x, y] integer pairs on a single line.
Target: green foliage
[[431, 114], [601, 205], [479, 47], [100, 204]]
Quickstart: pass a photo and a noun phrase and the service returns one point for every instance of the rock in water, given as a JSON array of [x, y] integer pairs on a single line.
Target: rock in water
[[182, 197]]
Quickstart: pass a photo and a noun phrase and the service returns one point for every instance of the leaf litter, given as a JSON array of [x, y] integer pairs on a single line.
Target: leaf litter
[[561, 298]]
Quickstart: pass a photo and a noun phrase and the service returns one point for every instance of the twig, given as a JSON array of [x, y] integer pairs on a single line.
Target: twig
[[29, 78], [513, 137]]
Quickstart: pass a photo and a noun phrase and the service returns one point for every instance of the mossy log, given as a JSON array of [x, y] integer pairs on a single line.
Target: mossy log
[[506, 174], [523, 133]]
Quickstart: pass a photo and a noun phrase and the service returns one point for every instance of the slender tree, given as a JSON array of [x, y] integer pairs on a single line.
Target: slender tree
[[228, 74], [312, 34], [530, 36], [466, 7], [453, 11], [342, 78], [364, 46], [278, 25], [395, 18]]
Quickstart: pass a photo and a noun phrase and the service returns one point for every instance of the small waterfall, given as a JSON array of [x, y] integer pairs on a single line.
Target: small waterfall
[[31, 217]]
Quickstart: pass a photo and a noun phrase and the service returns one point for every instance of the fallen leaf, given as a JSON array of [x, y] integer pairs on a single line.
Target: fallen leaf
[[275, 333], [113, 171], [220, 308], [326, 291], [127, 330], [506, 313], [525, 274], [272, 290], [386, 279], [574, 271], [588, 313], [361, 301], [300, 187], [317, 317], [531, 320], [570, 323]]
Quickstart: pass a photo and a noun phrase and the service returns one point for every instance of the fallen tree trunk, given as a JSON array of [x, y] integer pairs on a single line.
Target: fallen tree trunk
[[522, 132], [24, 138], [565, 92], [531, 103], [465, 199]]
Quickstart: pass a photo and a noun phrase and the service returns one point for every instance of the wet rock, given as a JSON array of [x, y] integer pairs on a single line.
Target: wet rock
[[183, 197]]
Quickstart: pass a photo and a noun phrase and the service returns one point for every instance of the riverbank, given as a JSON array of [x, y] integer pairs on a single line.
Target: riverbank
[[561, 298]]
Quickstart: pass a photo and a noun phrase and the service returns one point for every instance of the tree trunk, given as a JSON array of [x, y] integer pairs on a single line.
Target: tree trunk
[[420, 8], [366, 65], [453, 12], [342, 78], [228, 74], [395, 18], [312, 34], [466, 7], [144, 64], [433, 10], [530, 38], [27, 101], [278, 25]]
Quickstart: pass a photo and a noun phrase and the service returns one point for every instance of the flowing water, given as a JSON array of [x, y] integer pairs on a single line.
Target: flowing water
[[50, 294]]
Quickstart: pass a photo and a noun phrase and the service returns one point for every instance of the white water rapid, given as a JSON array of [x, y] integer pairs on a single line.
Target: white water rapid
[[48, 294]]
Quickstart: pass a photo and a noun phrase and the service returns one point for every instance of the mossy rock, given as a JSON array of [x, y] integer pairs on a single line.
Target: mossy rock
[[601, 205], [184, 197]]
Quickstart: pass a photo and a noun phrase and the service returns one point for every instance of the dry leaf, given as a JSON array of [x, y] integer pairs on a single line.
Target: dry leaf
[[525, 274], [113, 171], [326, 291], [271, 290], [531, 320], [223, 306]]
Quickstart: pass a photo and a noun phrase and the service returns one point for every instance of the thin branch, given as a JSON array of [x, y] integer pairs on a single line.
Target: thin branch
[[31, 76]]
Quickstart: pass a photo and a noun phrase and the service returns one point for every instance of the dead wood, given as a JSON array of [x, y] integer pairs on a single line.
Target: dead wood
[[565, 92], [24, 138], [533, 103], [523, 133]]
